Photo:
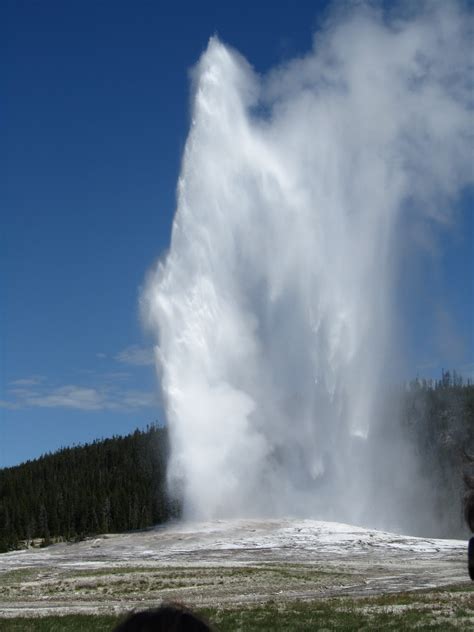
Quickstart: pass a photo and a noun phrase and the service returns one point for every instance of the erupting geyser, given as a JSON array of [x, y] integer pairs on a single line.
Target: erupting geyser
[[273, 308]]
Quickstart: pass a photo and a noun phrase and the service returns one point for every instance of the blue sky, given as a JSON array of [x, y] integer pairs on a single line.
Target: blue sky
[[96, 117]]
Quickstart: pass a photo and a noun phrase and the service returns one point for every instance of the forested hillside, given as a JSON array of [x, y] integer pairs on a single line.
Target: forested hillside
[[111, 485], [438, 417]]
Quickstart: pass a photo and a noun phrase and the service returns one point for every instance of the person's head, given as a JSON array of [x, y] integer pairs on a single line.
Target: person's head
[[468, 458], [169, 618], [469, 509]]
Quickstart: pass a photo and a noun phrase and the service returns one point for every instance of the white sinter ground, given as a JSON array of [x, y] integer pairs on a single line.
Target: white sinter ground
[[222, 563]]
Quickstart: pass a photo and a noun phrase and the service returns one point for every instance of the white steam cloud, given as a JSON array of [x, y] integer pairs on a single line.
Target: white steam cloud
[[272, 309]]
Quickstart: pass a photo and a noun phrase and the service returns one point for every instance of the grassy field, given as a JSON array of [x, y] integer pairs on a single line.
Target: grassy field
[[449, 609]]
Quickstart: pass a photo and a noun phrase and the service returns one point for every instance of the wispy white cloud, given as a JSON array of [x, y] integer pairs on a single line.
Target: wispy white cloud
[[86, 398], [136, 355], [28, 381], [97, 390], [9, 405], [139, 399], [116, 376], [22, 391], [69, 396]]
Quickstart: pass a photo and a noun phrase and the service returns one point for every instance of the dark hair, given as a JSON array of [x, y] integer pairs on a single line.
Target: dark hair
[[469, 488], [169, 618], [469, 509]]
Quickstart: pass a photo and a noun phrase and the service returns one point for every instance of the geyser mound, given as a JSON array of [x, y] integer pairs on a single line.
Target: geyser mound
[[273, 308]]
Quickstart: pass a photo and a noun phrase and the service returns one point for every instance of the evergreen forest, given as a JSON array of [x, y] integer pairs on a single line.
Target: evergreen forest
[[438, 420], [108, 486]]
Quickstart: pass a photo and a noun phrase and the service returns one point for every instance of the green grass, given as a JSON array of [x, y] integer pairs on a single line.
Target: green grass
[[335, 614], [17, 575], [408, 611], [118, 583], [68, 623]]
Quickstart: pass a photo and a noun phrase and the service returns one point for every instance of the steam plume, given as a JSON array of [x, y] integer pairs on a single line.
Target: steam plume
[[272, 309]]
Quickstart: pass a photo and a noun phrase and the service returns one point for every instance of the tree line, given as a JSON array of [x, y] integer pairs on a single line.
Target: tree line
[[108, 486], [438, 417]]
